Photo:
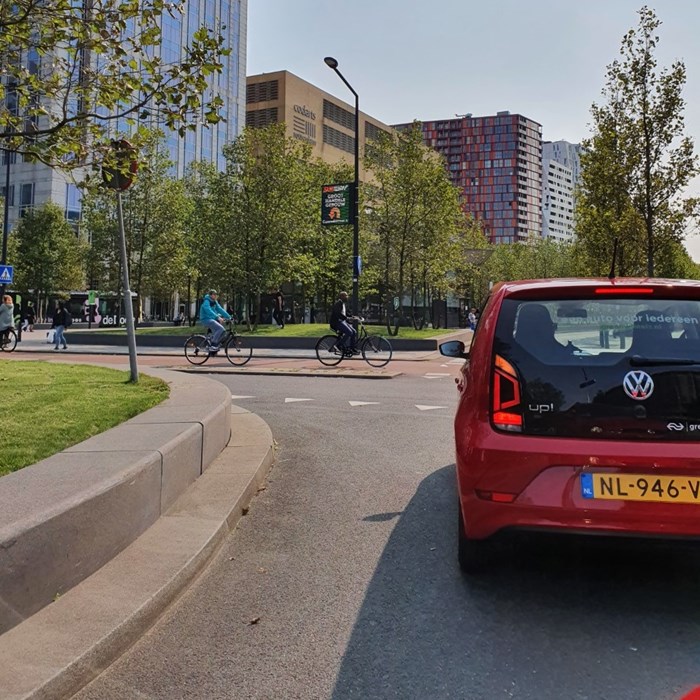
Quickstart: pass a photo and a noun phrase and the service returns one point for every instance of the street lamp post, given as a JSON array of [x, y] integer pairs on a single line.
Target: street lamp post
[[6, 210], [332, 63]]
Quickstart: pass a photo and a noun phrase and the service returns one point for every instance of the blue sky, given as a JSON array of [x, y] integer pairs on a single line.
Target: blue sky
[[408, 60]]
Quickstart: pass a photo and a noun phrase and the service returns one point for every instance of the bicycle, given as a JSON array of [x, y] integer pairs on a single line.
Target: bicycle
[[375, 349], [8, 340], [198, 347]]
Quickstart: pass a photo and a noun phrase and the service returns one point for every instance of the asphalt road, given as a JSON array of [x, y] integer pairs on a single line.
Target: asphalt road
[[341, 582]]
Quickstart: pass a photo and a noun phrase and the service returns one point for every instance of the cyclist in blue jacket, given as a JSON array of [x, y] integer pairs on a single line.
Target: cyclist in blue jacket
[[212, 315]]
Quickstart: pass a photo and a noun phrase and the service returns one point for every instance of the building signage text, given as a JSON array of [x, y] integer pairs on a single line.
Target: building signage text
[[305, 111], [302, 129]]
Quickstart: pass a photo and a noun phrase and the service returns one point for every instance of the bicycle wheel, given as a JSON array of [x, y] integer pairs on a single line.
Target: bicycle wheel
[[237, 353], [326, 351], [10, 343], [197, 349], [376, 351]]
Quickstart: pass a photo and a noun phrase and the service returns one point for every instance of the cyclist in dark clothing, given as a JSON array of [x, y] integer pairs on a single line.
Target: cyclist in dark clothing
[[339, 323]]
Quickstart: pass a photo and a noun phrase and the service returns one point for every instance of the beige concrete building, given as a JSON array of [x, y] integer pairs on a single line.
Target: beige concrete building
[[310, 114]]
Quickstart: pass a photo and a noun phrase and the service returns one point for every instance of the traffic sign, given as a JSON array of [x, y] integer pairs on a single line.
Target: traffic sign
[[6, 274], [119, 175]]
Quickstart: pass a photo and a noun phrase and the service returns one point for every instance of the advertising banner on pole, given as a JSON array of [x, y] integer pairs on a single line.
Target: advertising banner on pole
[[337, 204]]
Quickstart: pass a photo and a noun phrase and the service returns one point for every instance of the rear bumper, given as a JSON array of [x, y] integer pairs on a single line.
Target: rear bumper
[[485, 519], [549, 496]]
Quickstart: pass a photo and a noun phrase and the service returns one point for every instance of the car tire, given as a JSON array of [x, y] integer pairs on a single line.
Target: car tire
[[473, 555]]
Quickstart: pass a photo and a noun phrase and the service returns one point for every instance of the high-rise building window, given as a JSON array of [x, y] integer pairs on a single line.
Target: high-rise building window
[[259, 118], [9, 155], [73, 205], [207, 140], [338, 115], [171, 44], [190, 152], [172, 143], [372, 132], [11, 196], [26, 198], [263, 92], [336, 138]]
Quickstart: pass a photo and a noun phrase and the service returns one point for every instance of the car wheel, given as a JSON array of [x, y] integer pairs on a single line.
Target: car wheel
[[473, 555]]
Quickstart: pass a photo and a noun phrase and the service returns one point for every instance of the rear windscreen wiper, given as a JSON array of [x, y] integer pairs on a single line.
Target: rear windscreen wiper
[[638, 361]]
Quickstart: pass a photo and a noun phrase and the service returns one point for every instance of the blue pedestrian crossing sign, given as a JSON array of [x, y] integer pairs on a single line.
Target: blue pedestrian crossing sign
[[6, 274]]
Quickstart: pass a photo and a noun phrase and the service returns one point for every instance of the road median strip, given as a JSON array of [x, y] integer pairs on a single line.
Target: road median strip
[[65, 645], [292, 371]]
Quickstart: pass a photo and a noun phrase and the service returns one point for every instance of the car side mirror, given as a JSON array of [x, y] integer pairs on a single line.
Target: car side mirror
[[454, 348]]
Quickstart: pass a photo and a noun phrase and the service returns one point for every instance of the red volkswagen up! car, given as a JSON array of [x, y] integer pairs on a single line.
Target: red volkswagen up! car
[[579, 411]]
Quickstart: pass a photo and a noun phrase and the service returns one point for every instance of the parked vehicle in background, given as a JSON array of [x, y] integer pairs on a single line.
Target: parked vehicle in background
[[579, 412]]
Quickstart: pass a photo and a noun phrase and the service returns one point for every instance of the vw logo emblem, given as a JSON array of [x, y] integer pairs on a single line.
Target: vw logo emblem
[[638, 385]]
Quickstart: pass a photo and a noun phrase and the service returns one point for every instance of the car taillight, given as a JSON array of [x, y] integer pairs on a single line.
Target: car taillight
[[507, 410]]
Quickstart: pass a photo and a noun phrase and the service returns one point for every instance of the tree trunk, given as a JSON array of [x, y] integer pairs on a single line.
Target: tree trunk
[[198, 293]]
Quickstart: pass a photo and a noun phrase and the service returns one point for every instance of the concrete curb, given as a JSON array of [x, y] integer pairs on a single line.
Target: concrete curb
[[263, 342], [292, 372], [60, 649], [66, 516]]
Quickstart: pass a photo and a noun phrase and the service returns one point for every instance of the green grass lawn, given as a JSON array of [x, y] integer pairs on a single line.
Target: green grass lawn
[[294, 330], [47, 407]]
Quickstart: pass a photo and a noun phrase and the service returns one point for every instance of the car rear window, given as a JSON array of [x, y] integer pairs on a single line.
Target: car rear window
[[580, 363]]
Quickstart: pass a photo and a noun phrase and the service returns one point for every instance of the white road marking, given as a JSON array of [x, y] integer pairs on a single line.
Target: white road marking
[[427, 408], [428, 376], [296, 400], [234, 396], [364, 403], [437, 374], [444, 365], [456, 362]]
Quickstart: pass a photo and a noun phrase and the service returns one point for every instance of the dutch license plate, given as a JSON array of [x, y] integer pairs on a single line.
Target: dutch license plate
[[641, 487]]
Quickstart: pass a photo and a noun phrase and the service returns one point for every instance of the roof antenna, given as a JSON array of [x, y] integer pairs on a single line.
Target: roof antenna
[[611, 276]]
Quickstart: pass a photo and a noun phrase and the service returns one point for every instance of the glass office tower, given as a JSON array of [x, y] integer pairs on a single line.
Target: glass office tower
[[33, 184]]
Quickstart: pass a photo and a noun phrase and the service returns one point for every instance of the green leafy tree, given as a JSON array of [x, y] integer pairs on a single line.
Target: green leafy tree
[[266, 191], [68, 70], [536, 258], [99, 224], [604, 207], [638, 162], [156, 212], [49, 258], [210, 257], [471, 277], [414, 217], [323, 259]]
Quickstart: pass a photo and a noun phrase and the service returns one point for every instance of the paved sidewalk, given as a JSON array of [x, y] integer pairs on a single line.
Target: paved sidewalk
[[264, 361], [37, 342], [61, 648]]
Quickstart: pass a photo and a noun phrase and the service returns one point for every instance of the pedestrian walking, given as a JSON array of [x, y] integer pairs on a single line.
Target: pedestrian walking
[[278, 312], [61, 321], [7, 317], [30, 317]]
